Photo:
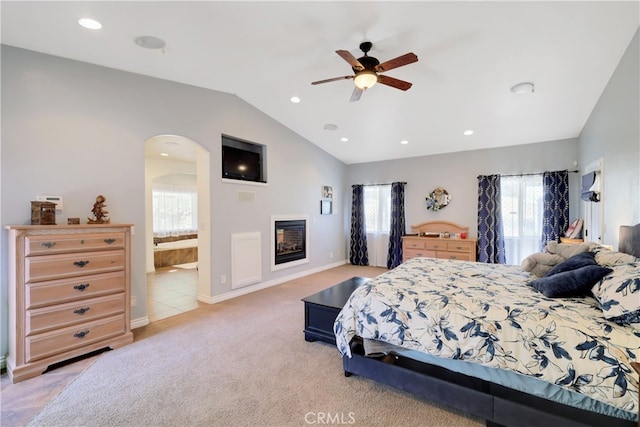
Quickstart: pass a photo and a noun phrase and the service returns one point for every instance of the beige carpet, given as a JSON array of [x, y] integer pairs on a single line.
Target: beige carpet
[[242, 362]]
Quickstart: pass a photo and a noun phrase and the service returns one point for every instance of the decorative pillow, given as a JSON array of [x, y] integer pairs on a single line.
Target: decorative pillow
[[619, 292], [540, 263], [609, 258], [566, 250], [570, 283], [576, 261]]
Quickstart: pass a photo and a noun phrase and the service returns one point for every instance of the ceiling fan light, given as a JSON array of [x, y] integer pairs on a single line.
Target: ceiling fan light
[[365, 79]]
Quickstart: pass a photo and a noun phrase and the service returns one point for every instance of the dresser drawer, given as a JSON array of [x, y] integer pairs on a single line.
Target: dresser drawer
[[63, 315], [459, 246], [43, 245], [413, 244], [77, 288], [412, 253], [50, 267], [435, 244], [62, 340], [460, 256]]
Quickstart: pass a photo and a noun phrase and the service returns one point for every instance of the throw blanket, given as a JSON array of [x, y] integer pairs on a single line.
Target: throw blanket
[[486, 314]]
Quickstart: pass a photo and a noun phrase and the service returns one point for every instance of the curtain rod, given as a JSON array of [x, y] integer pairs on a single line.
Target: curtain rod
[[369, 185], [529, 174]]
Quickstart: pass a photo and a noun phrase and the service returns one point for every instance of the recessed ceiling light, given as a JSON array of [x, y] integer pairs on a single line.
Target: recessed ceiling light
[[330, 126], [523, 88], [89, 23], [295, 99], [404, 142], [344, 139], [164, 154], [468, 132], [150, 42]]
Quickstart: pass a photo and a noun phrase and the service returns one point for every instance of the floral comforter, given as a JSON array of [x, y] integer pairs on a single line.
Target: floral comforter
[[485, 313]]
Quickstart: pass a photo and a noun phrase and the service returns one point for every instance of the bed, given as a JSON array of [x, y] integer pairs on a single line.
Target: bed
[[480, 338]]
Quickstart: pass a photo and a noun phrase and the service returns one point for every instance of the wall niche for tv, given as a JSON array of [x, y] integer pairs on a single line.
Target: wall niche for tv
[[243, 160]]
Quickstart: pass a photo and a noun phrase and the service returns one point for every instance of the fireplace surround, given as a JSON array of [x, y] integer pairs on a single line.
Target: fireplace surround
[[289, 241]]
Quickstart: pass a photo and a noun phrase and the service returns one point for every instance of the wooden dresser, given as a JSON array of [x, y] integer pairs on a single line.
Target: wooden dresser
[[69, 293], [426, 242]]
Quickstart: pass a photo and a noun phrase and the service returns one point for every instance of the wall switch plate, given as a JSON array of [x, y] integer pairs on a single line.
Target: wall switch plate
[[53, 199]]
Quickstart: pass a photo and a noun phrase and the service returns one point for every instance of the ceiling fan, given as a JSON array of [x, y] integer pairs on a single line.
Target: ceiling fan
[[367, 69]]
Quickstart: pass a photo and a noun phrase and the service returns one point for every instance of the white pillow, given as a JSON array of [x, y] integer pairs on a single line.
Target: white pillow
[[618, 293], [609, 258]]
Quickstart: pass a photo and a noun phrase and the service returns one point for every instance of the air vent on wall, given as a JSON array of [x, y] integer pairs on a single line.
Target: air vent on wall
[[246, 196]]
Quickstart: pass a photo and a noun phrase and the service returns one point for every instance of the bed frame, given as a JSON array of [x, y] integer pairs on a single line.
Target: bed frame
[[498, 405]]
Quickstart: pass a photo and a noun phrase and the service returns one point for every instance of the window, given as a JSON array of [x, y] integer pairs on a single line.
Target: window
[[175, 210], [522, 209], [377, 215]]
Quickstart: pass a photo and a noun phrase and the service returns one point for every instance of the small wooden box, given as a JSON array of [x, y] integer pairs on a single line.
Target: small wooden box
[[43, 213]]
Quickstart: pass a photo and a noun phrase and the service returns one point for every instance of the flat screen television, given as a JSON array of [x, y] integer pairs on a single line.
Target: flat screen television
[[241, 164]]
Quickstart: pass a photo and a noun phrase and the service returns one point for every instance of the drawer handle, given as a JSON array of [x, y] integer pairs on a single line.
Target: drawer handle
[[81, 334], [81, 287], [80, 263], [109, 241], [48, 245], [81, 311], [454, 257]]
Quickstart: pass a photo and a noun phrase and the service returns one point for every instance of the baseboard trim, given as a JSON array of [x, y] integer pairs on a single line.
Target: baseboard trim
[[139, 322], [254, 288]]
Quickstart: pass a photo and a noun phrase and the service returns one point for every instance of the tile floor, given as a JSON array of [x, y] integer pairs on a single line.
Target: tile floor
[[170, 291]]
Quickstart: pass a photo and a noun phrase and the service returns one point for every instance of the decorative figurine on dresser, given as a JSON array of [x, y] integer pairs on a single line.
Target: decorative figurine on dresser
[[99, 213], [69, 293]]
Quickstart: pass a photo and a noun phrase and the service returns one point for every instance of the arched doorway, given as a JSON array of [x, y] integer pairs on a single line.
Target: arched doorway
[[178, 159]]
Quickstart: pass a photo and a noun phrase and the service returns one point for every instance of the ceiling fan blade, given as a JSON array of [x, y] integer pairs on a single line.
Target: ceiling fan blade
[[357, 93], [407, 58], [390, 81], [347, 56], [335, 79]]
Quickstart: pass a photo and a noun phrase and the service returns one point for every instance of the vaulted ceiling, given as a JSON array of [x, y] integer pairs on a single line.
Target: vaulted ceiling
[[470, 55]]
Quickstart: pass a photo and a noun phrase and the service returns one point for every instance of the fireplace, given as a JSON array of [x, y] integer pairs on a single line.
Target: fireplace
[[289, 241]]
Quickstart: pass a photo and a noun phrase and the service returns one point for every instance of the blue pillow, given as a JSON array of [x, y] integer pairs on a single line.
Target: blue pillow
[[570, 283], [576, 261]]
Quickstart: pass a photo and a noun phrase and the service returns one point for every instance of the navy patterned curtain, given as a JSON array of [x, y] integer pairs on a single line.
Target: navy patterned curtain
[[490, 231], [555, 217], [397, 229], [358, 245]]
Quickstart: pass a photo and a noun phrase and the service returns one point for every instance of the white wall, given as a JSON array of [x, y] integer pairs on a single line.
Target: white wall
[[458, 172], [612, 134], [79, 130]]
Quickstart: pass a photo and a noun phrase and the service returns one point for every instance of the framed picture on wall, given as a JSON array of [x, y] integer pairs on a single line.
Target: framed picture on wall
[[326, 206], [327, 192]]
